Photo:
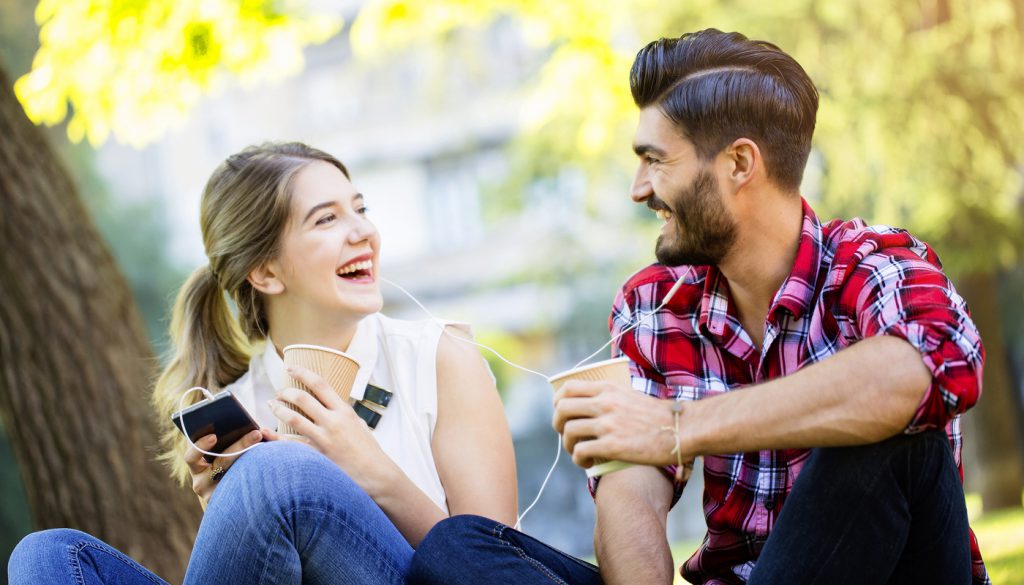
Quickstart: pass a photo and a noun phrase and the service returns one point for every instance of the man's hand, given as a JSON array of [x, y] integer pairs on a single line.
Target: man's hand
[[600, 420]]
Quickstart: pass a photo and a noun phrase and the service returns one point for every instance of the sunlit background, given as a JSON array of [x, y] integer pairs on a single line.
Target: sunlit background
[[492, 141]]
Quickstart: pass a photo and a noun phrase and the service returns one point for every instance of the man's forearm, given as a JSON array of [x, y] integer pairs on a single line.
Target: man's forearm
[[629, 536], [863, 394]]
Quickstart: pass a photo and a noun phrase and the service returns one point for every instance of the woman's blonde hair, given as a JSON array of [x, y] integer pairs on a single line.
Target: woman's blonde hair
[[244, 212]]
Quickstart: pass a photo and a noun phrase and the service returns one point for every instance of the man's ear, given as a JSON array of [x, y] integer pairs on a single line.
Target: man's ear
[[743, 159], [266, 280]]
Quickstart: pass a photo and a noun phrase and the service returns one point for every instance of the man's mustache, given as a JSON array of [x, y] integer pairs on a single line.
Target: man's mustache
[[655, 204]]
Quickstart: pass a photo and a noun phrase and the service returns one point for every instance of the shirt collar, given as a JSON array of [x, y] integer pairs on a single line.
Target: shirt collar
[[363, 348], [795, 295]]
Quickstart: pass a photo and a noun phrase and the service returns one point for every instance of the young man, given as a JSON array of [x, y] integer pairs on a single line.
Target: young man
[[818, 368]]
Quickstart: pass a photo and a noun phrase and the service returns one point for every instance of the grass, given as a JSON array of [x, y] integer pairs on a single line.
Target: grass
[[1000, 535]]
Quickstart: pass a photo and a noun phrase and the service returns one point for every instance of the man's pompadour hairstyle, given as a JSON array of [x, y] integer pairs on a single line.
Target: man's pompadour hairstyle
[[717, 87]]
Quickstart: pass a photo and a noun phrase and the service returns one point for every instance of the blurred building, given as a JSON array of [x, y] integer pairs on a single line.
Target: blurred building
[[424, 134]]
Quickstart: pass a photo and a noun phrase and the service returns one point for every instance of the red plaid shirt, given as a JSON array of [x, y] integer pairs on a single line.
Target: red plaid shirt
[[849, 282]]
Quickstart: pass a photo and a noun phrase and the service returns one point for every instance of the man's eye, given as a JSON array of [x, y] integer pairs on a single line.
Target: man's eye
[[325, 219]]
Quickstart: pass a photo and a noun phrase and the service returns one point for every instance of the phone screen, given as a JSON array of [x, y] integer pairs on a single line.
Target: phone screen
[[223, 415]]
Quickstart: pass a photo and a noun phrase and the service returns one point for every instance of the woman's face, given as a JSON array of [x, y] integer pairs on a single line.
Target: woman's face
[[328, 258]]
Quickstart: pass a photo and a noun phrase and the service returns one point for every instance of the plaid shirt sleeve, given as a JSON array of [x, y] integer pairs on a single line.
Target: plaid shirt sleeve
[[630, 302], [892, 284]]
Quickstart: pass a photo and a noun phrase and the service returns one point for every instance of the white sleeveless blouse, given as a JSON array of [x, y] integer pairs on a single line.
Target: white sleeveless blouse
[[396, 355]]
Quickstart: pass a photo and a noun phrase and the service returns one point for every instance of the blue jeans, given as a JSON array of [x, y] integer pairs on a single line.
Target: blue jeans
[[887, 513], [464, 550], [282, 514]]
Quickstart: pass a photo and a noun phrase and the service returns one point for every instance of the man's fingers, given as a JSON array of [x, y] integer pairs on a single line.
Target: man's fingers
[[579, 430], [568, 409], [578, 388], [585, 451]]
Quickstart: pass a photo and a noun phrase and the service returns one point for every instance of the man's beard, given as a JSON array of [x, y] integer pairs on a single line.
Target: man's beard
[[704, 232]]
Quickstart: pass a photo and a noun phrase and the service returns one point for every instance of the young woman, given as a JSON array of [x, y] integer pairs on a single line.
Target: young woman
[[288, 240]]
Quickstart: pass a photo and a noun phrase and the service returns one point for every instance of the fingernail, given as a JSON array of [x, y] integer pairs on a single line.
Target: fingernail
[[289, 369], [271, 404]]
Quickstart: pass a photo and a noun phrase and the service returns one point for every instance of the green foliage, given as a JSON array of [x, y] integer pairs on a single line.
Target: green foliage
[[920, 116], [136, 67]]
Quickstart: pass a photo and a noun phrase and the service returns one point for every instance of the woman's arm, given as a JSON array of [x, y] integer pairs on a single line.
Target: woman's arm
[[472, 444]]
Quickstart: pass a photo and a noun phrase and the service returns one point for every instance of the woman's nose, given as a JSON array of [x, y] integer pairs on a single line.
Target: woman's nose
[[362, 229]]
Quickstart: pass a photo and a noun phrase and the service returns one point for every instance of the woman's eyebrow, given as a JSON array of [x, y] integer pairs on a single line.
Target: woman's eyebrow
[[317, 208]]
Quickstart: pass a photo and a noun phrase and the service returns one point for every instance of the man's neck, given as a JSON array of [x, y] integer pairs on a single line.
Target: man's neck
[[761, 259]]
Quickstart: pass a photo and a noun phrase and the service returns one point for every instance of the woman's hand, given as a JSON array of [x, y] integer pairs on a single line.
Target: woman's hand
[[333, 428], [205, 475]]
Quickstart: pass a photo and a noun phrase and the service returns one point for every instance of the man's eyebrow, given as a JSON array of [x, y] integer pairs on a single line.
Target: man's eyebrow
[[642, 149], [317, 208]]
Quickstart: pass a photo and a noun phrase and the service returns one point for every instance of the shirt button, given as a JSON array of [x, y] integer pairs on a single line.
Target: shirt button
[[769, 504]]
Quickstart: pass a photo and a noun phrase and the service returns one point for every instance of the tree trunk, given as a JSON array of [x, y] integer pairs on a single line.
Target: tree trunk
[[994, 420], [76, 367]]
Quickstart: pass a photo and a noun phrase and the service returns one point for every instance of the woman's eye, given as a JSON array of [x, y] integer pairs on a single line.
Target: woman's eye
[[362, 210], [325, 219]]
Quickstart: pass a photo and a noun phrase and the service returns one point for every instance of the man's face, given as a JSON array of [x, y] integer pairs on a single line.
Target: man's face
[[682, 189]]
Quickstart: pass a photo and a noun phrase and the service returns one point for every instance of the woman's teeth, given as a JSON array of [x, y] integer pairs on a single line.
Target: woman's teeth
[[355, 267]]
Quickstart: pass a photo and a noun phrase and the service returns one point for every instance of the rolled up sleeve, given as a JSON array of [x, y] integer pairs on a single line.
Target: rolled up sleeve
[[898, 293]]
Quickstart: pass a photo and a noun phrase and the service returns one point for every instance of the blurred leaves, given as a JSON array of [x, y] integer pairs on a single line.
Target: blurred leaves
[[919, 125], [136, 67], [922, 103]]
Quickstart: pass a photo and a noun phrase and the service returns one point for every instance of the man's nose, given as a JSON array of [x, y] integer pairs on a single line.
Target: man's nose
[[641, 189]]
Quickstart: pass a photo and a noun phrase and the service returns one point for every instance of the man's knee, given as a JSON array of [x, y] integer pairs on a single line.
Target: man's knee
[[920, 449], [448, 549]]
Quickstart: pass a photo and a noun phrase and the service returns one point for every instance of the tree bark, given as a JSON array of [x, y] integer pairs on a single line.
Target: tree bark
[[994, 419], [76, 367]]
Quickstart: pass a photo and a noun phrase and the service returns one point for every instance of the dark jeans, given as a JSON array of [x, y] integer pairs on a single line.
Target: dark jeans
[[887, 513]]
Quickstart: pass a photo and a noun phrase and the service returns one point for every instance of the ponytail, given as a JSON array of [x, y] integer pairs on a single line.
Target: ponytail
[[243, 212], [209, 350]]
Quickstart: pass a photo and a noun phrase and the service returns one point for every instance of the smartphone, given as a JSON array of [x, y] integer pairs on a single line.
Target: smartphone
[[222, 415]]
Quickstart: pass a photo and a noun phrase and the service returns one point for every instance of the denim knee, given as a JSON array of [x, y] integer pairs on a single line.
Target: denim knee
[[46, 548], [449, 543], [283, 475]]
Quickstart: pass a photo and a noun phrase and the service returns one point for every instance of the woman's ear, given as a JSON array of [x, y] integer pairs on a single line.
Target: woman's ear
[[265, 279]]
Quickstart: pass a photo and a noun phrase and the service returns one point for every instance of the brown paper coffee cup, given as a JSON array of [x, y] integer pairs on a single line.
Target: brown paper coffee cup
[[337, 368], [615, 370]]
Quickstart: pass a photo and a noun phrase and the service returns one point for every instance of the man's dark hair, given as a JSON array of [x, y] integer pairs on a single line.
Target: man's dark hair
[[717, 87]]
